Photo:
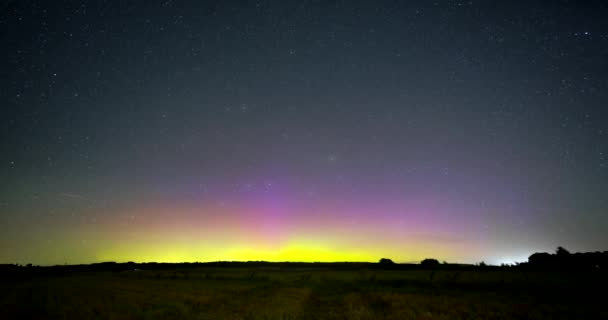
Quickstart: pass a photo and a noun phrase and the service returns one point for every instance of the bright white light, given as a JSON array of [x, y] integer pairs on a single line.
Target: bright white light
[[509, 260]]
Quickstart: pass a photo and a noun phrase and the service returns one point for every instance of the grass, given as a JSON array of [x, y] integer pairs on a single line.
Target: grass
[[298, 293]]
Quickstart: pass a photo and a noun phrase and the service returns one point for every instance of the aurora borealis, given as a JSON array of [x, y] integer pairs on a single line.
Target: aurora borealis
[[302, 130]]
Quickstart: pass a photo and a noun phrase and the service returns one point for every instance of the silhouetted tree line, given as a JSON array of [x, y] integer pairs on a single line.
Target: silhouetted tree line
[[562, 259], [19, 271]]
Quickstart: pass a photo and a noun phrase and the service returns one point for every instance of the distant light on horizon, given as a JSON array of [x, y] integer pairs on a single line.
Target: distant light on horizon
[[509, 260]]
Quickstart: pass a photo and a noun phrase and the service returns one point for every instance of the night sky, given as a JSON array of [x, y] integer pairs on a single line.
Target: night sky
[[302, 130]]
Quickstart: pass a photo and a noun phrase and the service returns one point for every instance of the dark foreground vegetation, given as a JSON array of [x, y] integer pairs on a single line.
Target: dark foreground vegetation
[[260, 290]]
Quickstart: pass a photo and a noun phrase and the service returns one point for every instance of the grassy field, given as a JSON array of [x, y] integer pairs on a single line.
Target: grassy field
[[300, 293]]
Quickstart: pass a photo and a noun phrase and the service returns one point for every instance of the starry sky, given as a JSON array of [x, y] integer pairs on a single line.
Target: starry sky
[[302, 130]]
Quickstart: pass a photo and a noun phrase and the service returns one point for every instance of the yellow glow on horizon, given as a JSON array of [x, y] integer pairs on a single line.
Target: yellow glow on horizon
[[295, 250], [302, 252], [183, 253], [235, 237]]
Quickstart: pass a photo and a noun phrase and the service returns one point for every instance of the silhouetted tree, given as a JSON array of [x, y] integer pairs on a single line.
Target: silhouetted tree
[[561, 251], [540, 259], [429, 263], [386, 261], [563, 259]]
